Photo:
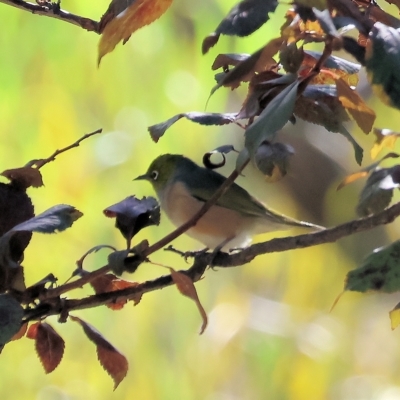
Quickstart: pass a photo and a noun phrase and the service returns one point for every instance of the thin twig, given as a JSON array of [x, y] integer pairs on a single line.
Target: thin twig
[[53, 10], [40, 163]]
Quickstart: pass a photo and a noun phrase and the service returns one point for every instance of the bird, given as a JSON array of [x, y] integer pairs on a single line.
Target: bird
[[183, 187]]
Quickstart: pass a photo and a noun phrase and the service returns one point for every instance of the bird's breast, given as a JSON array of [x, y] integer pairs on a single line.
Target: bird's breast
[[216, 226]]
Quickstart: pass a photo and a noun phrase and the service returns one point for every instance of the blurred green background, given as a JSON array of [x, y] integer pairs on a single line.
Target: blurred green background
[[271, 335]]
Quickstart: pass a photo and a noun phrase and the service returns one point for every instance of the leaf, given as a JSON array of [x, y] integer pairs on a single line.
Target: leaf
[[15, 207], [350, 99], [378, 191], [272, 118], [124, 17], [114, 363], [156, 131], [225, 149], [259, 61], [133, 214], [382, 60], [11, 314], [49, 345], [380, 271], [243, 19], [318, 104], [24, 177], [272, 159], [291, 57], [384, 138], [110, 283], [186, 286], [394, 316], [224, 60], [325, 20], [333, 67], [55, 219], [364, 172], [116, 261]]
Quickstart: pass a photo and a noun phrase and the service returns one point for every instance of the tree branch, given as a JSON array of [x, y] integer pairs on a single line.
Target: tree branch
[[53, 305], [53, 10]]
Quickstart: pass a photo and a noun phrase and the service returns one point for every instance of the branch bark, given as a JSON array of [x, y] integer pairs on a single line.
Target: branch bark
[[53, 10], [53, 305]]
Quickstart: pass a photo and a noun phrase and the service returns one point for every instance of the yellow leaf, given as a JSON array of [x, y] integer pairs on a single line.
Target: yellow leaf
[[138, 14], [355, 105], [384, 138], [351, 178], [394, 316]]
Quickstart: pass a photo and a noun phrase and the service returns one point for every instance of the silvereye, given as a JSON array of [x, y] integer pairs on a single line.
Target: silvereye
[[183, 187]]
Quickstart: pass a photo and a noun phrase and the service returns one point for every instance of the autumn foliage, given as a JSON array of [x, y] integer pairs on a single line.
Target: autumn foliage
[[285, 81]]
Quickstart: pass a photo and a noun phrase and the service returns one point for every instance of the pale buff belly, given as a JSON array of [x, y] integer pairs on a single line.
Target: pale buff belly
[[217, 226]]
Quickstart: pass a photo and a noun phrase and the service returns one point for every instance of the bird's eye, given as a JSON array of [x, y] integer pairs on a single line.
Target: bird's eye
[[154, 175]]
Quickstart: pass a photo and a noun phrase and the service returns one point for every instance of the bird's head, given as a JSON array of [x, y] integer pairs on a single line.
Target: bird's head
[[162, 170]]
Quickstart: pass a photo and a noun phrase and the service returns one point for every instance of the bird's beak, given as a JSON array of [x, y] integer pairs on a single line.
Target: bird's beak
[[143, 177]]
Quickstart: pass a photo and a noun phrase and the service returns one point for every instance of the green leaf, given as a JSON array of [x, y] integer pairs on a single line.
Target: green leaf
[[242, 20], [379, 271], [55, 219], [11, 314], [157, 131], [271, 119]]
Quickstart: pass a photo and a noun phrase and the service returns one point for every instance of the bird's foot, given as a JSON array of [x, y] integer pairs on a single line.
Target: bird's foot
[[187, 254]]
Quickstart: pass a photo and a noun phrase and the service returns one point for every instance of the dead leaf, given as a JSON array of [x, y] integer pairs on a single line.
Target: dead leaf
[[259, 61], [49, 345], [355, 105], [110, 283], [114, 363], [118, 23], [186, 286], [24, 177]]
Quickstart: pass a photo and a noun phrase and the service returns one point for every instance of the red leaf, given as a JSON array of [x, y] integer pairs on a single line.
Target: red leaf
[[186, 286], [117, 25], [115, 363], [109, 283], [49, 345]]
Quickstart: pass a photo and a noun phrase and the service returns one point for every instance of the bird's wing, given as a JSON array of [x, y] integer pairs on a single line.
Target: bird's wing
[[235, 198]]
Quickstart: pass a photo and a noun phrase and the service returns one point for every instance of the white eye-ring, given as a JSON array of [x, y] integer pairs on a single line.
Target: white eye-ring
[[154, 175]]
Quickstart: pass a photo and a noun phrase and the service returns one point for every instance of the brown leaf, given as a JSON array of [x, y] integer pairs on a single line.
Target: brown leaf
[[259, 61], [186, 287], [355, 105], [118, 23], [110, 283], [24, 177], [49, 345], [115, 364]]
